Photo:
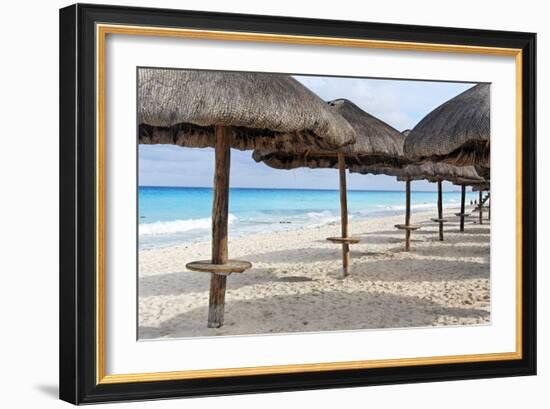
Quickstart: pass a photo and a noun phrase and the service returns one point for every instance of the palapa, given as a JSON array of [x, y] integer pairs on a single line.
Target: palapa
[[231, 109], [424, 171], [438, 172], [433, 172], [457, 132], [484, 172], [395, 169], [377, 144], [476, 184], [480, 187], [264, 111]]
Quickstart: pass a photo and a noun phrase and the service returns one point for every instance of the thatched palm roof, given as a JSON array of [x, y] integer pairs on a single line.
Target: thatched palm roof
[[389, 169], [471, 182], [376, 170], [438, 171], [481, 187], [484, 172], [377, 143], [428, 170], [457, 132], [182, 107]]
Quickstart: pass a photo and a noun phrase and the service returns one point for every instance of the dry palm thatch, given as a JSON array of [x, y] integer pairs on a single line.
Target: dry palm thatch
[[393, 168], [434, 172], [481, 187], [457, 132], [377, 170], [484, 172], [265, 111], [377, 143], [427, 170], [466, 181]]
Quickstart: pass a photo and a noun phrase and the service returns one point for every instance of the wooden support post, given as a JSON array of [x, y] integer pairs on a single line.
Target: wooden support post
[[343, 212], [462, 206], [440, 208], [220, 211], [481, 204], [216, 301], [407, 214]]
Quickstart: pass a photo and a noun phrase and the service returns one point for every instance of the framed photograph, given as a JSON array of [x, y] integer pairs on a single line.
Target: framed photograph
[[258, 204]]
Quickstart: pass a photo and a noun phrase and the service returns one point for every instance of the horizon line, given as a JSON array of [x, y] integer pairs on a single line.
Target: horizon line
[[293, 188]]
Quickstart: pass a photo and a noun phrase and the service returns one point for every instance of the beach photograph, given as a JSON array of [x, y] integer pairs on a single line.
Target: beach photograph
[[273, 203]]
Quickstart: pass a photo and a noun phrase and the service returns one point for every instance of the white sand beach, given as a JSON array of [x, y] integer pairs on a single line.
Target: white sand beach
[[295, 282]]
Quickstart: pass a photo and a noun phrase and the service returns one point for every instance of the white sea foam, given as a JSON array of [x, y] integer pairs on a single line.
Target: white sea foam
[[450, 203], [316, 215], [177, 226], [321, 218], [397, 208]]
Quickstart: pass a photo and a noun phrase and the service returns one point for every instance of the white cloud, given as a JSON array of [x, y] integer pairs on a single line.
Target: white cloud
[[401, 104]]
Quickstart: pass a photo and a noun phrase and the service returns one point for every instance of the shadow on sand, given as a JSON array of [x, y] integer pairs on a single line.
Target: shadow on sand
[[298, 255], [179, 283], [309, 312], [417, 270], [453, 250], [456, 245]]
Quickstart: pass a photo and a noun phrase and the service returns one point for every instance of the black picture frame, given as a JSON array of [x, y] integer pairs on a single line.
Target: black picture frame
[[78, 360]]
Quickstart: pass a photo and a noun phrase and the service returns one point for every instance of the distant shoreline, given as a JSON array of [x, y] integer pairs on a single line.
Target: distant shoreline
[[297, 189], [155, 241]]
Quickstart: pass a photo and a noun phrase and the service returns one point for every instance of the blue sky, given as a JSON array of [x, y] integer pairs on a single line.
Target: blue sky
[[402, 104]]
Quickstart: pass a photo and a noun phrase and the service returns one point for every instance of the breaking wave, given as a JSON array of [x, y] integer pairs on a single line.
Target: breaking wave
[[177, 226]]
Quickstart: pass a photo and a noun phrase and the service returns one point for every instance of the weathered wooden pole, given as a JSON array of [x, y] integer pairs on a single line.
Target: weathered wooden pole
[[220, 210], [462, 206], [407, 214], [480, 207], [440, 208], [343, 213]]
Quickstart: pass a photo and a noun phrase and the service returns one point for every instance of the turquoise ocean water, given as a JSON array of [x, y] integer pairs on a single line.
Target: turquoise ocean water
[[177, 215]]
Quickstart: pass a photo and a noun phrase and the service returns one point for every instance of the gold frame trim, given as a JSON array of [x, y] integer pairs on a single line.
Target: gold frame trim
[[102, 30]]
